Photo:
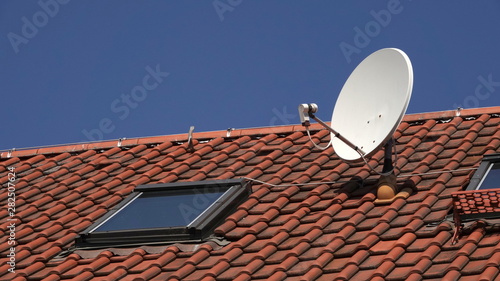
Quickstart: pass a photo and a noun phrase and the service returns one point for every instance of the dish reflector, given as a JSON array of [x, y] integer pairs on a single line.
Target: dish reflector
[[372, 102]]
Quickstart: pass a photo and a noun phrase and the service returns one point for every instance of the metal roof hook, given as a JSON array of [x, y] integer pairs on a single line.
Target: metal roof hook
[[190, 147], [120, 141]]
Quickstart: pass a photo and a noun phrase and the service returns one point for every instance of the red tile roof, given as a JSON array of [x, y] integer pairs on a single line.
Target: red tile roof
[[311, 216]]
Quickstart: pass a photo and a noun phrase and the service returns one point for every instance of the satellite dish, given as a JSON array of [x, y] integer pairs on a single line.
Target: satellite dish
[[372, 102], [370, 106]]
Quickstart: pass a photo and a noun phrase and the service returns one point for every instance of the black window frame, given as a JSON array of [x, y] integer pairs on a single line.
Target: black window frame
[[482, 171], [199, 229]]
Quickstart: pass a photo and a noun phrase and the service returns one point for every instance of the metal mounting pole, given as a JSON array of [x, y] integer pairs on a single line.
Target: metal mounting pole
[[337, 134], [388, 167]]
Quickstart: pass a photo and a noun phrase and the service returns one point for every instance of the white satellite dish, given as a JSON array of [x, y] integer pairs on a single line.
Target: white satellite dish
[[372, 102], [370, 106]]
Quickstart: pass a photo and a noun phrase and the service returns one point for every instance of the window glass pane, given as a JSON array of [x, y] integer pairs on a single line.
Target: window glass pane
[[492, 178], [160, 209]]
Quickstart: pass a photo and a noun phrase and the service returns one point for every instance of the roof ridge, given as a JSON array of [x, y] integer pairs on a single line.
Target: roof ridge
[[450, 113], [106, 144]]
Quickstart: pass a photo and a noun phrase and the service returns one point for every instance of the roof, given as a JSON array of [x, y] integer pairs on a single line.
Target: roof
[[310, 216]]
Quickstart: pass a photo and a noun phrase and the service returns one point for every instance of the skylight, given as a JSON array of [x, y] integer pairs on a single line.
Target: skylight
[[492, 177], [487, 175], [162, 213], [180, 206]]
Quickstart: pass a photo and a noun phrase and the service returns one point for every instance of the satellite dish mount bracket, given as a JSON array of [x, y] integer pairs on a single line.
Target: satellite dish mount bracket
[[312, 108]]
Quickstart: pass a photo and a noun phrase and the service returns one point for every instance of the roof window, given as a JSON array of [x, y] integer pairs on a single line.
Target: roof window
[[161, 213], [487, 175]]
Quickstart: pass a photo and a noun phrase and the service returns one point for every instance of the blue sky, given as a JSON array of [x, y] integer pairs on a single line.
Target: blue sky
[[75, 71]]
